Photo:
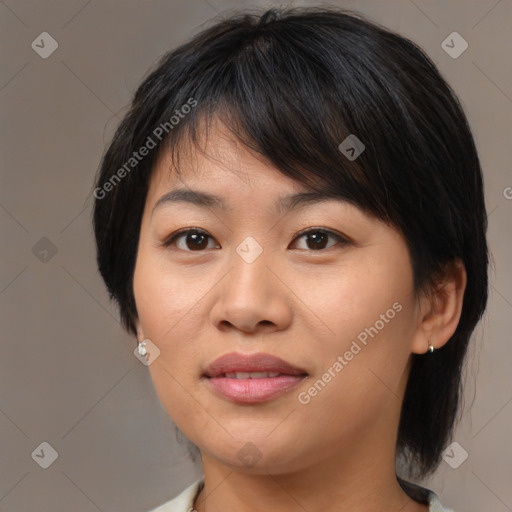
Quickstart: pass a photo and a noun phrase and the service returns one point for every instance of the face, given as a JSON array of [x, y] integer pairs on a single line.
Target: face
[[321, 285]]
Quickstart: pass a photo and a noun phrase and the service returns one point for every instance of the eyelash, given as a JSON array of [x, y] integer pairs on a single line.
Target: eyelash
[[179, 234]]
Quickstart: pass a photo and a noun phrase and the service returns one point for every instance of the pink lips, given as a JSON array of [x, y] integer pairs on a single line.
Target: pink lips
[[248, 389]]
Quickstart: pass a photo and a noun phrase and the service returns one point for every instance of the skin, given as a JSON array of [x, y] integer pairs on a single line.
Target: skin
[[299, 303]]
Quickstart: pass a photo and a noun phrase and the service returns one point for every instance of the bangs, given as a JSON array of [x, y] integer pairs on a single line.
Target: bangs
[[288, 107]]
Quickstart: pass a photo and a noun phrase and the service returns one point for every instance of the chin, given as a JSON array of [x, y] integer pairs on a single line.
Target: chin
[[258, 454]]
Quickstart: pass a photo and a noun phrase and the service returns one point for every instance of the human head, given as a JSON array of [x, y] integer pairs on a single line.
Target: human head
[[291, 86]]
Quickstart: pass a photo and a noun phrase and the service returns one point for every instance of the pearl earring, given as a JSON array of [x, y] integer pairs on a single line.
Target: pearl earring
[[141, 347]]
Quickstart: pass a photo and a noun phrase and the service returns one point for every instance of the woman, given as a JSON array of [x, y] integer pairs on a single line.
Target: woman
[[291, 218]]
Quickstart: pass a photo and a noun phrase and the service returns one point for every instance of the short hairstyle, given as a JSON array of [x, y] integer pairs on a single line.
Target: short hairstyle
[[291, 85]]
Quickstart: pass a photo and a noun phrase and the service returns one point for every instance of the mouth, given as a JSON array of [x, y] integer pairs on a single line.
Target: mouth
[[249, 375], [252, 378]]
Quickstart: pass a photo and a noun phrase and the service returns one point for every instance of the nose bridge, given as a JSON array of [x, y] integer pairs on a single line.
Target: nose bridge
[[249, 277], [250, 296]]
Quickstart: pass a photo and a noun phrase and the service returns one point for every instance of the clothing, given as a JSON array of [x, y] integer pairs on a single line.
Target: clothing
[[184, 502]]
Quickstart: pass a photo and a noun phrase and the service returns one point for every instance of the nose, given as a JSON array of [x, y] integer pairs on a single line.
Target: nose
[[251, 298]]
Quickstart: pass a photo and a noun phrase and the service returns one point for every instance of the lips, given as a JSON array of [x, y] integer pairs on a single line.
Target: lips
[[252, 378], [234, 363]]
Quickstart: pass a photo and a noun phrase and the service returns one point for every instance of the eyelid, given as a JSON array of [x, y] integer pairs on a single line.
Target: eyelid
[[185, 231], [344, 239], [329, 231]]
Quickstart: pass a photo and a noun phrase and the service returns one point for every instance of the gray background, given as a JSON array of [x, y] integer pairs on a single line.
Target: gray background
[[68, 375]]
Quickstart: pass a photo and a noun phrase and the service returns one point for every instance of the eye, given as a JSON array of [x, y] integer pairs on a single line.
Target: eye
[[317, 239], [193, 240]]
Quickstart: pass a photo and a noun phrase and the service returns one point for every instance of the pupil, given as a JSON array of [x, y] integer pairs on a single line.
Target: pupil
[[198, 241], [318, 240]]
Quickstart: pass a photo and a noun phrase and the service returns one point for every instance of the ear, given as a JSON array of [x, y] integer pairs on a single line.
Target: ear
[[440, 309]]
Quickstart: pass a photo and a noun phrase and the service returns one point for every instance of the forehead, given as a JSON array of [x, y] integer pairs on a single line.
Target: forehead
[[219, 163]]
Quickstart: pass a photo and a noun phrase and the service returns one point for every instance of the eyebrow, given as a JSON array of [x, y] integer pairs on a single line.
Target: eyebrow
[[206, 200]]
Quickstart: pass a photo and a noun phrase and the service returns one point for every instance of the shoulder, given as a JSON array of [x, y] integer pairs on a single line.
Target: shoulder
[[184, 502]]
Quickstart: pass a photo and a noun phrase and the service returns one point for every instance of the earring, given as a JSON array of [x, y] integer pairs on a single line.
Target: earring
[[141, 348], [430, 347]]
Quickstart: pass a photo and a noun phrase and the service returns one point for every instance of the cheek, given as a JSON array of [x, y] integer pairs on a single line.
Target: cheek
[[372, 293], [369, 312], [167, 305], [173, 302], [167, 298], [358, 383]]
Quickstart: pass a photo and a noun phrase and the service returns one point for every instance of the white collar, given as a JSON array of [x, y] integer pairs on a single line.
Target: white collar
[[184, 502]]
